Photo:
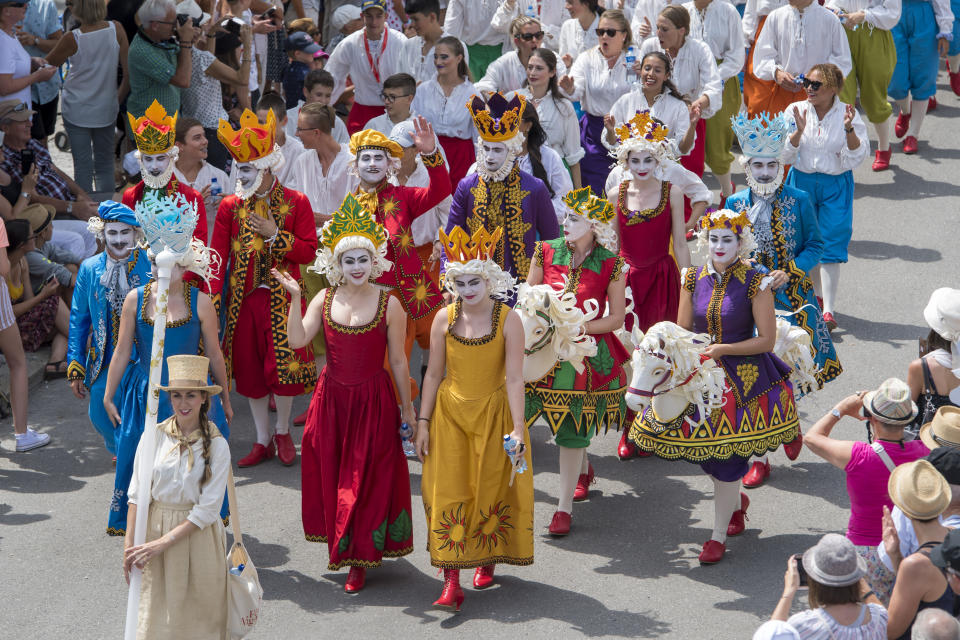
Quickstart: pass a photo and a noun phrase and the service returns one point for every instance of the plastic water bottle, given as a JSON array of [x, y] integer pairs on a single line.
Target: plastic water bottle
[[531, 10], [511, 446], [237, 570], [215, 189], [406, 441], [631, 59]]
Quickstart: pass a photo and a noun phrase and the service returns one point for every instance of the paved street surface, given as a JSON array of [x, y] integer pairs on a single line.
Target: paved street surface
[[629, 568]]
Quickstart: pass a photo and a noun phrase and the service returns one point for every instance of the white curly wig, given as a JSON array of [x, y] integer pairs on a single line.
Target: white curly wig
[[514, 146], [747, 242], [328, 262], [96, 227], [501, 285], [664, 151]]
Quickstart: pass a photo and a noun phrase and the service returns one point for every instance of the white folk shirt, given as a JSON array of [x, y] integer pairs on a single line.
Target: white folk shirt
[[550, 13], [671, 111], [823, 144], [795, 42], [694, 71], [349, 58], [325, 192], [339, 131], [595, 84], [753, 11], [559, 121], [419, 64], [426, 227], [448, 115], [507, 73], [175, 481], [720, 27], [470, 20], [205, 177], [648, 9], [574, 40], [879, 14], [383, 124]]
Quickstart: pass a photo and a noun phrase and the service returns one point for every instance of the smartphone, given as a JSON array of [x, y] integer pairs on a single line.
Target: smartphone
[[52, 276], [268, 14], [26, 161], [798, 557]]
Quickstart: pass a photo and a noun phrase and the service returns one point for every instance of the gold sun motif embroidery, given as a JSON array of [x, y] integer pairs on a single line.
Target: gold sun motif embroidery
[[405, 240], [452, 533], [389, 207], [293, 365], [493, 527], [242, 213], [417, 292]]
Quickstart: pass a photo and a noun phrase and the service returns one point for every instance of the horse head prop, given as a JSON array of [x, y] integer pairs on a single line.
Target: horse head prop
[[553, 328]]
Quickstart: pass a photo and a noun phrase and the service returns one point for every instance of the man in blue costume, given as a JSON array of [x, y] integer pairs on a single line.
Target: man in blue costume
[[788, 245], [103, 282]]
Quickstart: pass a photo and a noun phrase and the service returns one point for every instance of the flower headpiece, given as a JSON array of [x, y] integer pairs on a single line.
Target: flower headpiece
[[373, 139], [642, 125], [497, 120], [252, 141], [726, 219], [584, 203], [167, 221], [154, 131], [461, 247], [351, 219], [762, 136]]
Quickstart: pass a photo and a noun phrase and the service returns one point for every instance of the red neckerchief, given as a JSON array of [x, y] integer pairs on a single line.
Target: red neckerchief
[[375, 68]]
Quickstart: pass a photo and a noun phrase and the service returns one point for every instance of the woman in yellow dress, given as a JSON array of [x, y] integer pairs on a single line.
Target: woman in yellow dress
[[479, 512]]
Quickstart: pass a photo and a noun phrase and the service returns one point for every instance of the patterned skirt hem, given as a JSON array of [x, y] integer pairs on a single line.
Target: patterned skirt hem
[[368, 564], [692, 452], [473, 564], [116, 532], [556, 409]]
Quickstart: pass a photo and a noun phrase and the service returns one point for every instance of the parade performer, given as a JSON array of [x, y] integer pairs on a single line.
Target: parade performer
[[479, 512], [499, 194], [262, 226], [376, 158], [191, 320], [103, 282], [361, 510], [732, 304], [155, 136], [576, 404], [789, 245]]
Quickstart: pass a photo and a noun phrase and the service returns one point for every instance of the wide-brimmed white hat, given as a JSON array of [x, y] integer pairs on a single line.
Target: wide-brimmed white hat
[[891, 403], [192, 9], [942, 313]]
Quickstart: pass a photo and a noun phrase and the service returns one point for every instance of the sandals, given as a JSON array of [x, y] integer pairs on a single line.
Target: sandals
[[54, 370]]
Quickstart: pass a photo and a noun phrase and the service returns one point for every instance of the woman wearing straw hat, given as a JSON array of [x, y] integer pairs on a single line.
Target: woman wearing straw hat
[[887, 410], [943, 430], [184, 591], [935, 377]]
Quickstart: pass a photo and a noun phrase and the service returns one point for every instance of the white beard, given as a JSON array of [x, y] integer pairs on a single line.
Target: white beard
[[764, 190], [160, 181], [245, 194]]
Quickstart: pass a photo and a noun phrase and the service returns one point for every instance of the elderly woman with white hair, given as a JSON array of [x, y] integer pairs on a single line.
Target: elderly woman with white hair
[[576, 404], [356, 488]]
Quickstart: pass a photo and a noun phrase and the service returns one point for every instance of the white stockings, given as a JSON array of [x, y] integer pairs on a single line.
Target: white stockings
[[573, 462], [726, 500]]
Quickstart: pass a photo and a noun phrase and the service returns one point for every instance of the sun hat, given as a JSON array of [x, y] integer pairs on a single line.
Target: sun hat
[[921, 492], [188, 373], [834, 562], [776, 630], [192, 9], [942, 313], [891, 403], [344, 14], [947, 554], [943, 430], [946, 460], [15, 110], [38, 215]]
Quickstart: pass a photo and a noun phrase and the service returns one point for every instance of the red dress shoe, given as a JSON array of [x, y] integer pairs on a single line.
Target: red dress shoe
[[757, 475], [831, 321], [627, 449], [301, 419], [910, 145], [737, 525], [955, 82], [712, 552], [792, 448], [356, 579], [932, 103], [902, 124], [452, 595], [258, 454], [272, 405], [583, 485], [286, 450], [881, 161], [483, 576], [560, 525]]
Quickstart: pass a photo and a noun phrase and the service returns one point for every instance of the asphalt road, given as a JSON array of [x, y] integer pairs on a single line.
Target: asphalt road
[[629, 568]]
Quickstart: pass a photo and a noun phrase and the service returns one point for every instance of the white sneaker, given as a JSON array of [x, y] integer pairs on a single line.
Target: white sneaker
[[31, 440]]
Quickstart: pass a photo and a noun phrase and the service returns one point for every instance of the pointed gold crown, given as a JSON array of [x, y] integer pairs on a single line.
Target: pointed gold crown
[[642, 126], [497, 120], [351, 219], [461, 247], [584, 203], [154, 131], [252, 140], [726, 219]]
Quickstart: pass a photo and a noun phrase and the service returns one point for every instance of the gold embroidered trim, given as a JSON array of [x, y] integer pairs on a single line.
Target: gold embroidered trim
[[187, 294], [472, 564], [642, 215], [498, 204], [494, 325], [368, 564], [538, 254], [75, 371], [435, 159], [618, 270], [347, 329], [690, 279]]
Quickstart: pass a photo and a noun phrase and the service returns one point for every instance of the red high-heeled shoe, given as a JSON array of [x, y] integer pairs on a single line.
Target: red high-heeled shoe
[[483, 576], [452, 595], [582, 492], [356, 579]]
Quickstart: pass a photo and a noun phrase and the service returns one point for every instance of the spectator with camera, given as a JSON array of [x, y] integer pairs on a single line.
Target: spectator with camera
[[39, 33], [18, 71]]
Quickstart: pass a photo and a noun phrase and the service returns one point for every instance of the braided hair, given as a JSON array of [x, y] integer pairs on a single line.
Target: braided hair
[[536, 138], [205, 436]]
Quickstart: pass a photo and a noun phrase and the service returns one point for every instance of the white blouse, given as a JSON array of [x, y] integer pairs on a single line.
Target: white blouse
[[795, 42], [753, 11], [595, 84], [559, 121], [425, 227], [174, 481], [349, 58], [419, 64], [325, 192], [694, 71], [470, 20], [574, 40], [720, 27], [550, 13], [507, 73], [879, 14], [673, 112], [823, 144], [448, 115]]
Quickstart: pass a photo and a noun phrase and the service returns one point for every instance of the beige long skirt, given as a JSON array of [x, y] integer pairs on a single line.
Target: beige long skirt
[[184, 590]]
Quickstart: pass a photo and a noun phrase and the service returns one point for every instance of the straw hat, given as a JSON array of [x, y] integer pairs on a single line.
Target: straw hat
[[834, 562], [188, 373], [38, 215], [891, 403], [943, 430], [920, 491], [942, 313]]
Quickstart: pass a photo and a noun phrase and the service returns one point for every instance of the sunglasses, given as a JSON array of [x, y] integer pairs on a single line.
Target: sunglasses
[[530, 36], [388, 99], [608, 32], [811, 84], [15, 5]]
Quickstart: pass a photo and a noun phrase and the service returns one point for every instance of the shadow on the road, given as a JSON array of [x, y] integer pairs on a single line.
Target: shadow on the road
[[893, 334], [9, 519], [920, 186], [874, 250]]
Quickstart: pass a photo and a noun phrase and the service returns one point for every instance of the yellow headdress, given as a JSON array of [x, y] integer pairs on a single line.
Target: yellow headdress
[[584, 203], [726, 219], [154, 131], [497, 120], [252, 141], [461, 247], [351, 219], [373, 139], [642, 126]]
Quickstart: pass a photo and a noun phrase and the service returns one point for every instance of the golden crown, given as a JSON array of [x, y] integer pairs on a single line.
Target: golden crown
[[497, 120], [373, 139], [461, 247], [253, 140], [351, 219], [642, 126], [726, 219], [154, 131], [584, 203]]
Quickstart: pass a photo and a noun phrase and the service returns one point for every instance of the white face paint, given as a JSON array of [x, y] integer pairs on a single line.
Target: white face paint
[[372, 165], [120, 238], [248, 180], [156, 169], [641, 164], [575, 227], [356, 265], [764, 170], [723, 245], [472, 288], [494, 155], [155, 165]]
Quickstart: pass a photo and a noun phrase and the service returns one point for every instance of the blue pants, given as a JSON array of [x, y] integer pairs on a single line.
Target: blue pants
[[832, 200], [915, 37], [955, 43]]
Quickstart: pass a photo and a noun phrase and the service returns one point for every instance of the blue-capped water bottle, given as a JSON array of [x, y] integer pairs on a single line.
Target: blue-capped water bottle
[[406, 436], [631, 59], [531, 11], [215, 189], [515, 451]]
